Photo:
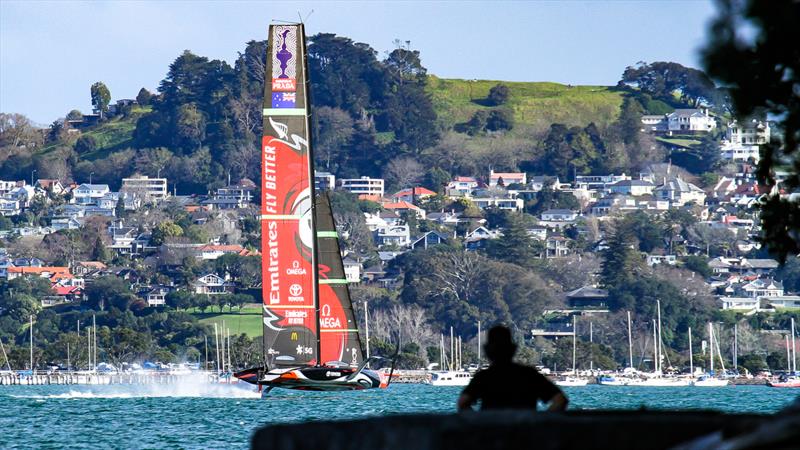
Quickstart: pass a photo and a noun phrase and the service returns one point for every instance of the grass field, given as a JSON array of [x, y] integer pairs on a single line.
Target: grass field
[[247, 321], [685, 143], [535, 104]]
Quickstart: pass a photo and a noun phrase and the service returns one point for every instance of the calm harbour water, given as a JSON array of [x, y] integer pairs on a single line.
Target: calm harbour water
[[223, 416]]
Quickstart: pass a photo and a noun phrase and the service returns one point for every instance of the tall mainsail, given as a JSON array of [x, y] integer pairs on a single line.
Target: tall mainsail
[[287, 241], [308, 316]]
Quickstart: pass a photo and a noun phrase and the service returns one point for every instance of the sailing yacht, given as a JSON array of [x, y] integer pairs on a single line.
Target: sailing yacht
[[708, 380], [455, 375], [311, 339], [573, 380]]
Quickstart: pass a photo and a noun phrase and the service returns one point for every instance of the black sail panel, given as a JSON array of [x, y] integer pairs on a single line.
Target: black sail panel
[[338, 327]]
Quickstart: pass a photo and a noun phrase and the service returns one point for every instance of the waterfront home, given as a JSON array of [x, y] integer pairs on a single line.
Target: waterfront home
[[632, 187], [404, 207], [462, 187], [679, 192], [399, 235], [363, 185]]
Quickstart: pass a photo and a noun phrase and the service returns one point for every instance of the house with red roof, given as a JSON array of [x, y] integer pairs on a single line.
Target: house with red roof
[[403, 206], [412, 195]]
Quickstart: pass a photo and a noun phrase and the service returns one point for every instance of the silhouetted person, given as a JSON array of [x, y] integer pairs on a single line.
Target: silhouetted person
[[506, 384]]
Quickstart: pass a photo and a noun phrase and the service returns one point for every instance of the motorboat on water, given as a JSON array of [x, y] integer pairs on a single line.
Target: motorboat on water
[[611, 380], [449, 378], [709, 381], [572, 381], [785, 382]]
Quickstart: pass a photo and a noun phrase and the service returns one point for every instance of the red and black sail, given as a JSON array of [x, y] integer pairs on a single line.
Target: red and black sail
[[306, 311]]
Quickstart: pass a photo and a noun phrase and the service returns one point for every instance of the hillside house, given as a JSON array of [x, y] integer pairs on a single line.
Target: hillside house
[[149, 189], [398, 235], [363, 185], [211, 284], [352, 270], [404, 207], [429, 239], [89, 194], [462, 187], [507, 178], [324, 181], [679, 192], [632, 187], [412, 195]]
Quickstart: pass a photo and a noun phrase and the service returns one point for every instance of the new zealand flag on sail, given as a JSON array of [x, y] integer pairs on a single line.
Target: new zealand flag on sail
[[283, 99]]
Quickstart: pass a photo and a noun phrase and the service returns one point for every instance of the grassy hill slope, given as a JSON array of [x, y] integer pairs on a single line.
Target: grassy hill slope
[[535, 104]]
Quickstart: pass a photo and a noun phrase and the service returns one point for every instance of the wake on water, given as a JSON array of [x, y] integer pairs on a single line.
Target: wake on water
[[188, 386]]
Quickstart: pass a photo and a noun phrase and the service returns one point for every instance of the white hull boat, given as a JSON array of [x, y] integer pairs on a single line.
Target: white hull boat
[[710, 382], [449, 378], [570, 381]]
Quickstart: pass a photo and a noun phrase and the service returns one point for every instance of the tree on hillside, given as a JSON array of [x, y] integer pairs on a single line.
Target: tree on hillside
[[663, 80], [333, 130], [498, 94], [404, 172], [762, 74], [16, 130], [515, 246], [74, 115], [101, 96], [85, 144], [143, 97], [500, 120]]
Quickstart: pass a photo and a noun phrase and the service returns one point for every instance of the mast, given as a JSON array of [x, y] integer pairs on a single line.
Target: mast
[[735, 347], [479, 344], [660, 343], [228, 334], [691, 361], [574, 343], [94, 342], [33, 371], [366, 325], [788, 357], [68, 361], [441, 351], [205, 342], [591, 350], [452, 349], [794, 351], [630, 341], [4, 355], [719, 353], [216, 342], [655, 347], [711, 345]]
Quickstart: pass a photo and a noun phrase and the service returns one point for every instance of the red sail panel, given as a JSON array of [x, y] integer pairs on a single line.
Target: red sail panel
[[338, 328], [290, 330]]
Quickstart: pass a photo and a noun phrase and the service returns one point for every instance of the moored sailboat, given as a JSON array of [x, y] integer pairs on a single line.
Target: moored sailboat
[[311, 341]]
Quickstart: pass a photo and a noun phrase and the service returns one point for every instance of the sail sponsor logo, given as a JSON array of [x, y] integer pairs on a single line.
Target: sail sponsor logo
[[326, 321], [296, 293], [303, 350], [274, 275], [283, 99], [284, 84], [270, 178], [296, 269], [294, 317]]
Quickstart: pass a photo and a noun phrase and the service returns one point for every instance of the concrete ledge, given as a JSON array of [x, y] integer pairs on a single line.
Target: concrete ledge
[[618, 430]]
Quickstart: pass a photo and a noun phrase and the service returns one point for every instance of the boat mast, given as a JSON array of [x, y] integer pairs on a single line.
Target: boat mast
[[452, 349], [655, 347], [719, 353], [660, 344], [479, 344], [574, 343], [735, 347], [33, 372], [4, 355], [313, 193], [711, 346], [691, 362], [366, 324], [216, 342], [630, 342], [794, 351], [94, 342], [788, 357]]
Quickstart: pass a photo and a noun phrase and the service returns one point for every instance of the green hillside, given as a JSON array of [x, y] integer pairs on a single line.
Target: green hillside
[[116, 134], [535, 104], [248, 321]]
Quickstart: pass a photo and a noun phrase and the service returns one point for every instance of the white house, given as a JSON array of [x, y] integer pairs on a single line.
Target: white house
[[211, 284], [511, 204], [559, 215], [148, 188], [324, 181], [679, 192], [690, 120], [632, 187], [89, 194], [352, 270], [363, 186], [9, 207], [461, 187], [755, 132], [398, 235], [65, 223]]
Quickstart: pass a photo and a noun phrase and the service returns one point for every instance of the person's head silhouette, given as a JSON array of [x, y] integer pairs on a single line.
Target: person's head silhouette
[[500, 347]]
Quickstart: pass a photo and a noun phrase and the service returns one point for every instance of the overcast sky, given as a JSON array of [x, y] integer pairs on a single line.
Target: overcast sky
[[51, 52]]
